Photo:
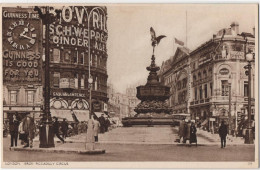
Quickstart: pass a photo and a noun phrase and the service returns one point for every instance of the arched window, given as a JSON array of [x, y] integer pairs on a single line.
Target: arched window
[[210, 71], [194, 78], [204, 74], [199, 76]]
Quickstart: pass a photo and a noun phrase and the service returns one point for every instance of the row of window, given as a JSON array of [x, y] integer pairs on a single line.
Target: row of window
[[78, 81], [202, 91], [204, 74], [182, 84], [75, 57], [182, 97], [29, 97]]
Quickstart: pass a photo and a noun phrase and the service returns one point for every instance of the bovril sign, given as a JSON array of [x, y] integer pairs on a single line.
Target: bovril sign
[[224, 71], [81, 26]]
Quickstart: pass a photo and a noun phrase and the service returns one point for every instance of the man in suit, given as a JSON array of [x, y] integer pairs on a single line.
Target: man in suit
[[223, 134], [56, 127], [102, 122]]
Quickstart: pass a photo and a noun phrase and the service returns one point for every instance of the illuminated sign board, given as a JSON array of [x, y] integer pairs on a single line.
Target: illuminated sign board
[[22, 47], [83, 28]]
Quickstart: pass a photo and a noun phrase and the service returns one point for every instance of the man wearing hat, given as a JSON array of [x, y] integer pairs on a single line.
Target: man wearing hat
[[64, 128], [102, 122], [182, 129], [223, 133], [56, 127], [28, 127]]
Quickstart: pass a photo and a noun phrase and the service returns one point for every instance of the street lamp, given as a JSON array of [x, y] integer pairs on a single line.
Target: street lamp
[[46, 131], [249, 134], [90, 143], [229, 107]]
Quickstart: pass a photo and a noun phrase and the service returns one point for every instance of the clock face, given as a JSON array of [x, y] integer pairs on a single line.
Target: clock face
[[21, 35]]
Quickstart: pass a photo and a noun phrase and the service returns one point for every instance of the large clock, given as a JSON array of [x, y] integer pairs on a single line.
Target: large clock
[[21, 35]]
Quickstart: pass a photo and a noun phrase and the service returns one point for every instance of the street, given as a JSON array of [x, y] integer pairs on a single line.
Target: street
[[150, 150]]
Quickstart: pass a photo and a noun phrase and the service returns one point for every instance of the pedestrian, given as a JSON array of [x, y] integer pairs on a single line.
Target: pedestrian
[[13, 129], [193, 136], [56, 128], [96, 128], [64, 128], [22, 135], [107, 124], [223, 134], [187, 130], [76, 128], [181, 130], [28, 128], [102, 122]]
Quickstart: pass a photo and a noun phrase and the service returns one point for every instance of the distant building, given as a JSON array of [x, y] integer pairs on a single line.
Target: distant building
[[122, 105], [113, 102], [132, 99], [176, 74]]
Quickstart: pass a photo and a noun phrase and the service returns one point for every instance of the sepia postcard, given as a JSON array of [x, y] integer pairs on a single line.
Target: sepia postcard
[[129, 85]]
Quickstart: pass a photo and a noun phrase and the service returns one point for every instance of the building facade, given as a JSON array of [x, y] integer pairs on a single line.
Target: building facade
[[22, 62], [113, 102], [202, 78], [176, 75], [216, 66], [132, 100], [77, 43]]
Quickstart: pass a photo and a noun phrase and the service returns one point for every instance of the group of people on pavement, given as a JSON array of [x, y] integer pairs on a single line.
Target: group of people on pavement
[[187, 131], [100, 125], [104, 123], [25, 129]]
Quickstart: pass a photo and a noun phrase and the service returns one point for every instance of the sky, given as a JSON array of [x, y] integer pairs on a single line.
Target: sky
[[129, 40]]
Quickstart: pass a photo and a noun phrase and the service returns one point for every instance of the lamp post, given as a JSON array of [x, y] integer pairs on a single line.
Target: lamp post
[[46, 131], [229, 107], [90, 143], [249, 134]]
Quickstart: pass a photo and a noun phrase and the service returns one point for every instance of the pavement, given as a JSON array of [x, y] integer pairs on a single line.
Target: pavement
[[157, 135]]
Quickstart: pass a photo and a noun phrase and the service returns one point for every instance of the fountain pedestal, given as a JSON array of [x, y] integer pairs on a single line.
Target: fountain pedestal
[[153, 109]]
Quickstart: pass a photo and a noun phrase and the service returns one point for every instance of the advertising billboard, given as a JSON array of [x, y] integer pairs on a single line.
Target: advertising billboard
[[22, 46]]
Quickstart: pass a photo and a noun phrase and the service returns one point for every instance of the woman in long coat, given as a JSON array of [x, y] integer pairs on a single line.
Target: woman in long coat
[[28, 127], [96, 129], [187, 132], [193, 136], [13, 128], [181, 132]]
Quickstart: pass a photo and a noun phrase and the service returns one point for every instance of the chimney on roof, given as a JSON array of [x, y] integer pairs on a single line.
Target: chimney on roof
[[234, 28]]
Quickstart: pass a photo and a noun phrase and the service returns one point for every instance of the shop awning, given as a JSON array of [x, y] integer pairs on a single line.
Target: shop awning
[[98, 114], [82, 115], [62, 114]]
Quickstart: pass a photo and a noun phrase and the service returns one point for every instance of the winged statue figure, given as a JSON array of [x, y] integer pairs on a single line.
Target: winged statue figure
[[155, 40]]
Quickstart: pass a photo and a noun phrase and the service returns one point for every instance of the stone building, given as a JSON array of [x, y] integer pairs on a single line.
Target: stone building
[[77, 43], [215, 65], [73, 51], [22, 62], [113, 102], [176, 74], [132, 100], [200, 79]]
